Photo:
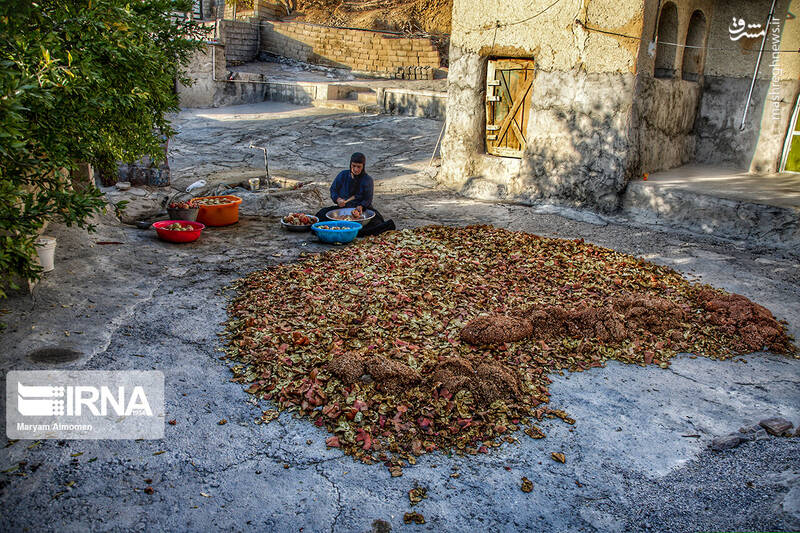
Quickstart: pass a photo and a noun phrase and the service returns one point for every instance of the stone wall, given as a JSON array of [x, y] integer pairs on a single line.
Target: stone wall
[[145, 171], [358, 50], [241, 40]]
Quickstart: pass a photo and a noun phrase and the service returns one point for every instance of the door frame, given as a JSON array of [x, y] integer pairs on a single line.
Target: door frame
[[492, 89], [790, 134]]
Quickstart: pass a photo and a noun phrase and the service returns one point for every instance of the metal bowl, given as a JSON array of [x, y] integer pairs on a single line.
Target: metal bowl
[[302, 227], [345, 213], [190, 214]]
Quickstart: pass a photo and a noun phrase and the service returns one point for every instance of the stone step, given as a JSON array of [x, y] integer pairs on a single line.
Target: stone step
[[363, 95], [367, 97], [355, 98], [347, 105]]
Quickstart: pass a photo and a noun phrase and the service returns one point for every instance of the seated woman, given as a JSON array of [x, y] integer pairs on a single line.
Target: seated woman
[[353, 188]]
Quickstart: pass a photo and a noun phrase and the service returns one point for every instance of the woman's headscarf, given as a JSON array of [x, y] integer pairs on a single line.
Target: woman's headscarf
[[358, 157]]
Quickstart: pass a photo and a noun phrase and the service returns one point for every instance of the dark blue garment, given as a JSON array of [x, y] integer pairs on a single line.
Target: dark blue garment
[[344, 187]]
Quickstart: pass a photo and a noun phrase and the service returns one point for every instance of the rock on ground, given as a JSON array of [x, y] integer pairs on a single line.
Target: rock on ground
[[777, 426]]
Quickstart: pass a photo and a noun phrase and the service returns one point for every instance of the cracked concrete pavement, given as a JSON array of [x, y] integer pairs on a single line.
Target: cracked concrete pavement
[[304, 142], [637, 457]]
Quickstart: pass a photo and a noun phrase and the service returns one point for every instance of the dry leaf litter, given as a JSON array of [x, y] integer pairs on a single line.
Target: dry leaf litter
[[442, 338]]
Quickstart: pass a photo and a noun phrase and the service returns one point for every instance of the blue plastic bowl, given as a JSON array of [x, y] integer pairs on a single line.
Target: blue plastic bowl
[[346, 234]]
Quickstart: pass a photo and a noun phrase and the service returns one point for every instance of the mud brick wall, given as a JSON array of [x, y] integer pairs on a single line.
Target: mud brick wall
[[240, 40], [367, 51]]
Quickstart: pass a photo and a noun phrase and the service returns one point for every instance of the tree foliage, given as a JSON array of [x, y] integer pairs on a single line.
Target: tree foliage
[[80, 81]]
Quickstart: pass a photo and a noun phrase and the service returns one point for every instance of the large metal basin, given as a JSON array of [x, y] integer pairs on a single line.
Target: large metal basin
[[345, 213]]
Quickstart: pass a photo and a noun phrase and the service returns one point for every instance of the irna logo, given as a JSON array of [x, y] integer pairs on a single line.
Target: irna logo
[[81, 400], [85, 404]]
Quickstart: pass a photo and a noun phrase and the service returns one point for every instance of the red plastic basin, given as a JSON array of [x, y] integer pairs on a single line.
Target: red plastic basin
[[178, 236]]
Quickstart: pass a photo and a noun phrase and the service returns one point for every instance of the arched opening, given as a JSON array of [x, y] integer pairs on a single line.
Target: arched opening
[[695, 47], [667, 37]]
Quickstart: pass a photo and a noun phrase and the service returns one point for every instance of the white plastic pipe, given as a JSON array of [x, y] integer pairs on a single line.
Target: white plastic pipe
[[758, 64]]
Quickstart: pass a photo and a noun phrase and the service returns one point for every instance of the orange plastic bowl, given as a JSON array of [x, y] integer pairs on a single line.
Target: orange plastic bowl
[[171, 235], [219, 215]]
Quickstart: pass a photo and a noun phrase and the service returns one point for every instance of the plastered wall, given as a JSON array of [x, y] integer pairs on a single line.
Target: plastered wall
[[680, 121], [666, 108], [580, 148], [204, 64], [728, 73], [551, 35], [737, 58], [599, 116], [685, 9]]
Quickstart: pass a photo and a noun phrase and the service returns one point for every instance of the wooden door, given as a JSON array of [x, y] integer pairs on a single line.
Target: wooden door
[[509, 85]]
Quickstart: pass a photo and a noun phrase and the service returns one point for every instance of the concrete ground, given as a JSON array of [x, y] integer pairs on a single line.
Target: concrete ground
[[637, 458], [719, 201], [779, 190], [305, 143]]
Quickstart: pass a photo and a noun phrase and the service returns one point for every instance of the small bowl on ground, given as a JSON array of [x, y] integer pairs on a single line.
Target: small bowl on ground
[[178, 236], [334, 232], [222, 214], [190, 214], [346, 214], [299, 227]]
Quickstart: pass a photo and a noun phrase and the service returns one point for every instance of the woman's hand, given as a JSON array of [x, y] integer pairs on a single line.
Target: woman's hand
[[341, 202], [357, 211]]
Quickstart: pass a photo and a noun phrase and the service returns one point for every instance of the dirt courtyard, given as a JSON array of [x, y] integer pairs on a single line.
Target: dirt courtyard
[[637, 459]]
